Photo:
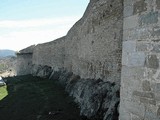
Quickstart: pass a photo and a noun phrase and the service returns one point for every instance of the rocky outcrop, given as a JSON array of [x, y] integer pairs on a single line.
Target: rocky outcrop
[[41, 71], [98, 100]]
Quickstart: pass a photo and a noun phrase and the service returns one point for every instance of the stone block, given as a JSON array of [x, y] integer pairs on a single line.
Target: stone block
[[152, 62], [129, 46], [143, 46], [144, 94], [135, 108], [136, 59], [156, 32], [124, 58], [128, 11], [157, 88], [158, 4], [157, 97], [128, 2], [128, 34], [139, 7], [156, 48], [147, 101], [146, 86], [151, 113], [149, 18], [130, 22], [133, 73], [144, 33], [155, 75], [134, 117], [124, 115], [158, 111], [151, 116]]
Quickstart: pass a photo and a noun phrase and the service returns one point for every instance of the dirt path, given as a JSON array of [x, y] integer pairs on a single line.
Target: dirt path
[[33, 98]]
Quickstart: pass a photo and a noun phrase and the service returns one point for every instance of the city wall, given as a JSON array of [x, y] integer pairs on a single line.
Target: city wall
[[110, 55]]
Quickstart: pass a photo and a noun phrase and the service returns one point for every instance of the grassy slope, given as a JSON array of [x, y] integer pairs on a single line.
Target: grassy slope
[[3, 92], [33, 98]]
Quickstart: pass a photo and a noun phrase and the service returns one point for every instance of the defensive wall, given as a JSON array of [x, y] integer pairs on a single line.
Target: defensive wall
[[110, 55]]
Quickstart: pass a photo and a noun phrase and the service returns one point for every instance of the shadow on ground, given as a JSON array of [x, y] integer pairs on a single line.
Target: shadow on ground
[[34, 98]]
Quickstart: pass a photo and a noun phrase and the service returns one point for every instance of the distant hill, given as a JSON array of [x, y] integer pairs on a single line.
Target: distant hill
[[8, 66], [6, 53]]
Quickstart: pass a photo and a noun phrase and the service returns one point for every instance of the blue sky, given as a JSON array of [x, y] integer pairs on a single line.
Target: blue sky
[[27, 22]]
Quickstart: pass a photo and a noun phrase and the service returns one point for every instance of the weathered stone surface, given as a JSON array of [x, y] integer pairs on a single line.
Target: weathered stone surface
[[139, 6], [41, 71], [87, 51], [149, 18], [156, 48], [158, 4], [128, 11], [24, 64], [24, 60], [143, 46], [136, 59], [147, 101], [157, 87], [130, 22], [144, 94], [50, 54], [156, 33], [157, 97], [134, 117], [135, 108], [146, 86], [152, 62], [84, 50], [145, 98], [129, 46], [27, 50], [158, 112]]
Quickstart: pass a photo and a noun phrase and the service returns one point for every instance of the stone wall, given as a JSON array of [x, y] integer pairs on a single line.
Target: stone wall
[[87, 61], [24, 61], [140, 85], [93, 44], [48, 56], [92, 47]]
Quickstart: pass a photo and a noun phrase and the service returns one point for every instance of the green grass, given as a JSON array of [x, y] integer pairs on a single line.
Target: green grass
[[33, 98], [3, 92]]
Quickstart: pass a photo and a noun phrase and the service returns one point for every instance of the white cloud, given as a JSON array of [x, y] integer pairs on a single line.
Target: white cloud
[[36, 22], [31, 32]]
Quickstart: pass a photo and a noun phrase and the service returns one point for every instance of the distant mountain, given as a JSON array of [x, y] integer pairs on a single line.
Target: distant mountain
[[6, 53]]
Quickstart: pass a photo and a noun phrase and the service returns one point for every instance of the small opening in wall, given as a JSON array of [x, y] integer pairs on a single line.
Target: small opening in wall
[[111, 6]]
